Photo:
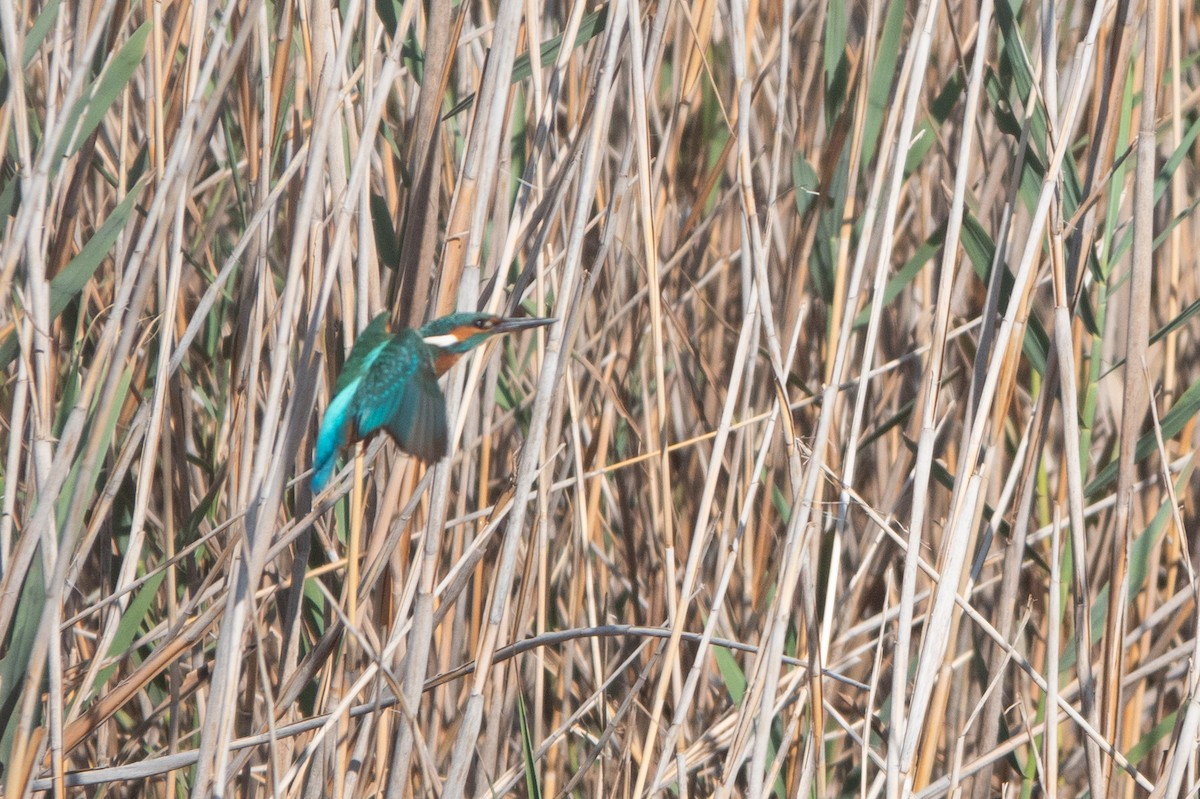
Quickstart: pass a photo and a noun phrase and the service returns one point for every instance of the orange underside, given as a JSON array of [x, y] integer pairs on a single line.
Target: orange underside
[[443, 362]]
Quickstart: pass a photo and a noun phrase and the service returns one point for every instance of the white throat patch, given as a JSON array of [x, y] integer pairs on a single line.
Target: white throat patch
[[445, 340]]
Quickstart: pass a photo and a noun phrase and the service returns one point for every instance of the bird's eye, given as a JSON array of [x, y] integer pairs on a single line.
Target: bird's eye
[[484, 324]]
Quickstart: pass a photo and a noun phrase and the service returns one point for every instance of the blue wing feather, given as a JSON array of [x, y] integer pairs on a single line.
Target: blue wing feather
[[400, 394], [382, 388], [367, 347], [419, 423]]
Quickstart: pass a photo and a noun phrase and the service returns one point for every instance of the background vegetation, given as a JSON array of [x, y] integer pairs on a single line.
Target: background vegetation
[[859, 462]]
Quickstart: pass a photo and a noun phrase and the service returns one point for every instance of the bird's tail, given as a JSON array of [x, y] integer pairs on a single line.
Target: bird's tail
[[320, 476], [330, 439]]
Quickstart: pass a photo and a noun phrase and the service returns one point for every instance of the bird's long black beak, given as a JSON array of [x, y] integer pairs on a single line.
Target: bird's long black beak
[[513, 324]]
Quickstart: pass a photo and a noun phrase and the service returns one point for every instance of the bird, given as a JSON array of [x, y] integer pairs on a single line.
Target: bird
[[389, 382]]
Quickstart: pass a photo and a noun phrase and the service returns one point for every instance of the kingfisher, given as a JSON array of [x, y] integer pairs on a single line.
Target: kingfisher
[[390, 382]]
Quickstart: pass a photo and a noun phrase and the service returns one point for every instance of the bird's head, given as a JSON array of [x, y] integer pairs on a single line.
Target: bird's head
[[454, 335]]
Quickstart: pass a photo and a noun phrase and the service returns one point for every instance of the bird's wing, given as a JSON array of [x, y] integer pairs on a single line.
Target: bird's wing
[[419, 423], [400, 393], [370, 342]]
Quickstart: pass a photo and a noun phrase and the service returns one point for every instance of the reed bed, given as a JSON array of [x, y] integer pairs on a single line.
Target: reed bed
[[858, 463]]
